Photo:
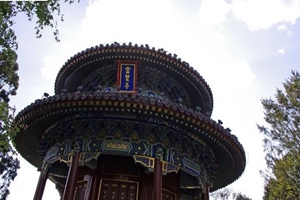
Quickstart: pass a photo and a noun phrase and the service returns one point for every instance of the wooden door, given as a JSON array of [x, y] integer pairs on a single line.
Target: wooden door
[[118, 190]]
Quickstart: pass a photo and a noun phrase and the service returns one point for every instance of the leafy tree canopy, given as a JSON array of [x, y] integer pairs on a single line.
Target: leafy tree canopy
[[282, 141], [45, 14], [9, 163]]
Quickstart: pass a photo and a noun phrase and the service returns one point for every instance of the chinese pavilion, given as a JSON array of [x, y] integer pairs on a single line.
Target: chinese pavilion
[[128, 122]]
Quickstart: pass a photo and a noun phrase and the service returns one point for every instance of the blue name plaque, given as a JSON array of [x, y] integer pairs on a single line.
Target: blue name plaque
[[127, 77]]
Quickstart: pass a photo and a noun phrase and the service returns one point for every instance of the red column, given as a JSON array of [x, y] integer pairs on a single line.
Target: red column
[[70, 186], [94, 187], [147, 193], [205, 196], [38, 195], [157, 185]]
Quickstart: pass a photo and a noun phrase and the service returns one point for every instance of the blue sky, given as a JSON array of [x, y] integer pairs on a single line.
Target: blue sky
[[243, 49]]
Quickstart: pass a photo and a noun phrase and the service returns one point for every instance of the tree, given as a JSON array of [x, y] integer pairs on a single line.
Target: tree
[[286, 180], [240, 196], [45, 13], [9, 163], [223, 194], [226, 193], [282, 141]]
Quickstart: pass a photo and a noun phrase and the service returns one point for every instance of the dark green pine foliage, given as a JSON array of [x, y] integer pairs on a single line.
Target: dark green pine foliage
[[44, 14], [282, 141]]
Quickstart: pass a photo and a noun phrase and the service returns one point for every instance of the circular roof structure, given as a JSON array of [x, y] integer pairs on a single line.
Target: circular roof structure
[[86, 86], [75, 70]]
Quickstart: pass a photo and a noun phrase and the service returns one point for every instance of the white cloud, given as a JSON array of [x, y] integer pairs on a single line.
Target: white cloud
[[257, 14], [132, 20], [262, 14], [51, 66], [281, 27], [235, 75], [281, 51], [289, 33], [213, 11]]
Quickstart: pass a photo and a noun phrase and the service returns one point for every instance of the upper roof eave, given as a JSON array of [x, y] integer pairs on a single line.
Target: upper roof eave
[[117, 51]]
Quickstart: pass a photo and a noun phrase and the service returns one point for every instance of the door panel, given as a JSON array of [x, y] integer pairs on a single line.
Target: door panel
[[118, 190]]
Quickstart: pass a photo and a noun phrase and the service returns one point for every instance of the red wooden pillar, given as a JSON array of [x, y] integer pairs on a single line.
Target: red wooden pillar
[[38, 195], [94, 186], [205, 196], [70, 186], [157, 185], [147, 193]]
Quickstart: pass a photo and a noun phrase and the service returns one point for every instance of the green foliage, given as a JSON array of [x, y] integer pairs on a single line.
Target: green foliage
[[45, 14], [9, 79], [285, 184], [282, 141], [8, 171], [41, 11], [9, 163]]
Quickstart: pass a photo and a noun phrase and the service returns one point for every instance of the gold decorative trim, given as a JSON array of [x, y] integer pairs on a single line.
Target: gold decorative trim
[[151, 162], [113, 145], [150, 159]]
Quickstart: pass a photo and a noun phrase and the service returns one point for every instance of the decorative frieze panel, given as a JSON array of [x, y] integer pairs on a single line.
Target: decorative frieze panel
[[154, 130], [93, 137], [143, 152]]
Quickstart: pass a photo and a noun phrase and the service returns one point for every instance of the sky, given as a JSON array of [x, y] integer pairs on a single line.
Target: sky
[[243, 49]]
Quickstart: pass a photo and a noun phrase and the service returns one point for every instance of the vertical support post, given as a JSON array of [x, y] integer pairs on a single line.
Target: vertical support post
[[157, 185], [38, 195], [205, 195], [157, 180], [70, 186], [93, 194], [147, 193]]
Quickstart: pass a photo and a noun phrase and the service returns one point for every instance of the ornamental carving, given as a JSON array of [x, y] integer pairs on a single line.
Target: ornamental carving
[[115, 145]]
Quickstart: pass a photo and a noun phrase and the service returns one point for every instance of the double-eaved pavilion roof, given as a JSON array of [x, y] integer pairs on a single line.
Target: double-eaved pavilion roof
[[36, 118]]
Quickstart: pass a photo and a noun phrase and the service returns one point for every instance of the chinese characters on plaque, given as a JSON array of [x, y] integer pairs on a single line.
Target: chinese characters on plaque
[[127, 77]]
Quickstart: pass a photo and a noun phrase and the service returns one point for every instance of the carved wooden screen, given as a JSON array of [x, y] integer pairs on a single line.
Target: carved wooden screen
[[118, 190]]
